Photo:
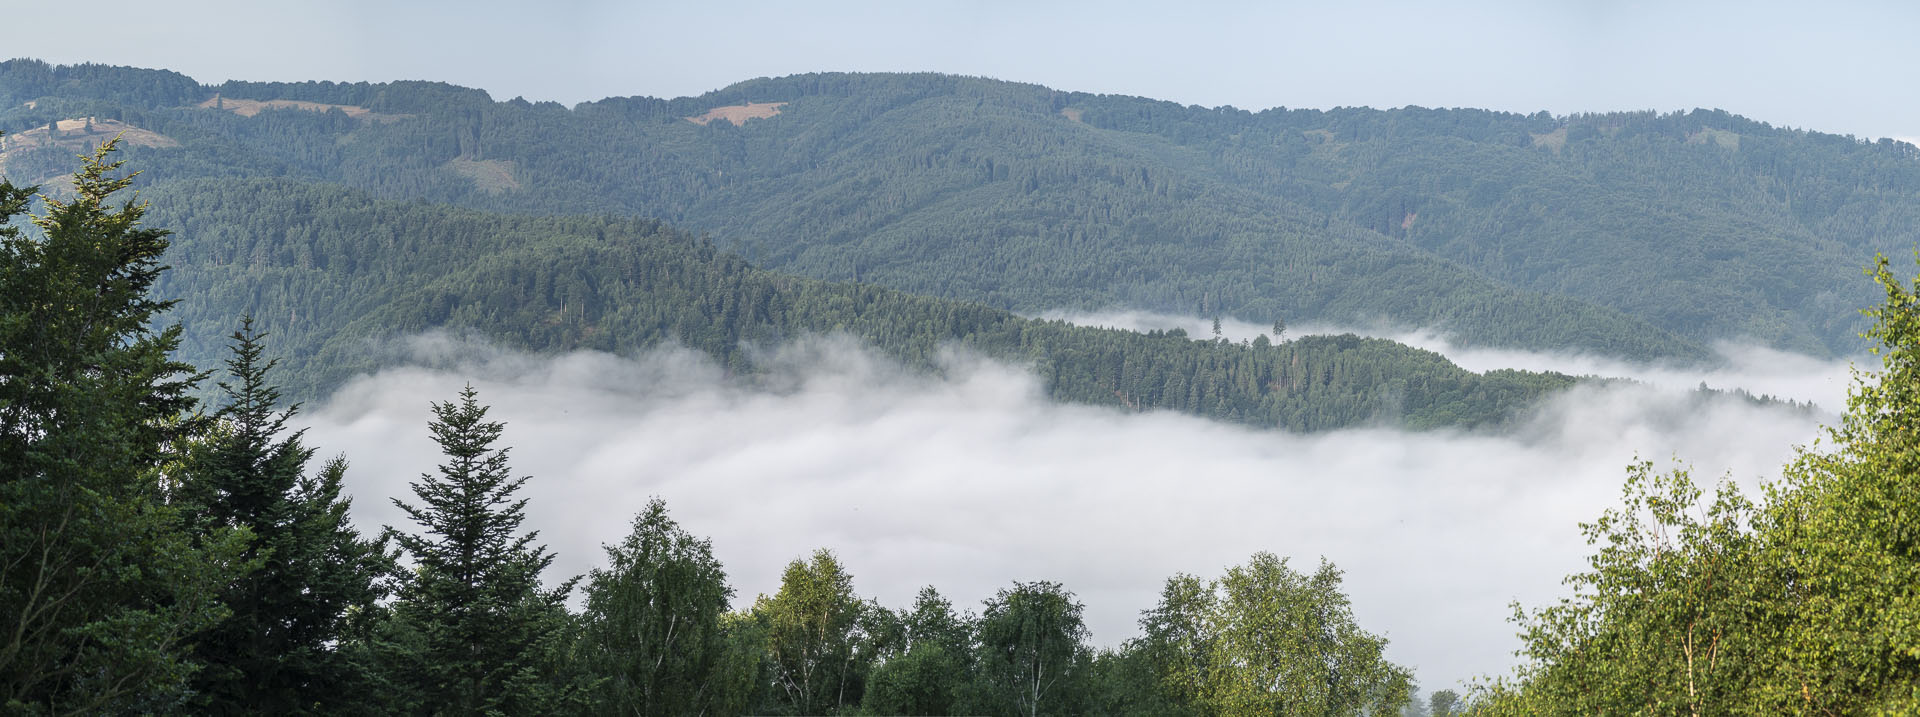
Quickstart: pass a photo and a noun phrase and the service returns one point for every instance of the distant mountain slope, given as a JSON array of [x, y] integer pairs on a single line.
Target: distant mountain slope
[[1633, 234], [331, 272], [1708, 224]]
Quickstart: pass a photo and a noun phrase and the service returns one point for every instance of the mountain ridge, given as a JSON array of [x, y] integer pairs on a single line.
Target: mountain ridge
[[331, 272], [1634, 234]]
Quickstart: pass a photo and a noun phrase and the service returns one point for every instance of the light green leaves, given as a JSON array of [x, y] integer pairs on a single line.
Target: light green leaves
[[1805, 603], [1266, 640]]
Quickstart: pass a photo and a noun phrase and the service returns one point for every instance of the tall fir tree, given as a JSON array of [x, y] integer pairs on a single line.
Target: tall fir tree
[[473, 632], [100, 586], [279, 650]]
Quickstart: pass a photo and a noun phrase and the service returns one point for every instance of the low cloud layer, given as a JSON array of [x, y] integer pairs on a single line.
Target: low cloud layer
[[974, 480]]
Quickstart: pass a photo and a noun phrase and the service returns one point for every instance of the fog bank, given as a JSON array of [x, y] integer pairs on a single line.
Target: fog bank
[[974, 480]]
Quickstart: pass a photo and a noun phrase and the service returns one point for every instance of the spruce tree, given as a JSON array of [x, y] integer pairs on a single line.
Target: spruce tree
[[278, 652], [100, 586], [473, 632]]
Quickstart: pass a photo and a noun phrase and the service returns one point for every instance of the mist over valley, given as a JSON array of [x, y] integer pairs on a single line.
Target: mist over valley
[[971, 479], [840, 389]]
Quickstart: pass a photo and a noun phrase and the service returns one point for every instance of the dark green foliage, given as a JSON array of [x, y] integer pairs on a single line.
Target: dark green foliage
[[926, 680], [931, 670], [742, 678], [1631, 234], [329, 270], [1034, 658], [124, 526], [278, 651], [1709, 225], [1127, 682], [23, 80], [1176, 651], [94, 421], [1019, 197], [100, 588], [653, 624], [472, 630]]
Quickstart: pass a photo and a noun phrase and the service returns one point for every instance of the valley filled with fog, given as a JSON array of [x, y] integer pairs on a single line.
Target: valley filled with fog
[[662, 365], [973, 479]]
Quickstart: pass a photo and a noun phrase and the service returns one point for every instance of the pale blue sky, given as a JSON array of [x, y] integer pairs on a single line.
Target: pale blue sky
[[1846, 67]]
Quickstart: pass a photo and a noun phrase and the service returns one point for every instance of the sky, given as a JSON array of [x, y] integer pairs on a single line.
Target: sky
[[1842, 67]]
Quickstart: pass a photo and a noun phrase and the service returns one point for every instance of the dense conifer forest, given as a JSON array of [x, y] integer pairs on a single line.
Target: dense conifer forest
[[171, 542], [1631, 234], [331, 271], [162, 557]]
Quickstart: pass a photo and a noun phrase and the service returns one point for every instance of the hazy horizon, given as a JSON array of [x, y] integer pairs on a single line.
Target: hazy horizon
[[1773, 62]]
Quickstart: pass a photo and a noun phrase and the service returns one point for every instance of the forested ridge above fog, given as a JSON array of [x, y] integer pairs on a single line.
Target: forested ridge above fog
[[1641, 235], [174, 560], [338, 277], [184, 556]]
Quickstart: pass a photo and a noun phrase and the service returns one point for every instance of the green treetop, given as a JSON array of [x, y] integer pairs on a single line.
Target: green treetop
[[473, 631], [278, 651], [1034, 657], [813, 631], [100, 587], [1266, 640], [1807, 602], [653, 624]]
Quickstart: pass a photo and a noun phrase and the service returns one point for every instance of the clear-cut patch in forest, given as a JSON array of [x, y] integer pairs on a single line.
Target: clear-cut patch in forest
[[80, 131], [249, 108], [739, 114], [492, 176], [77, 135], [1728, 140], [1553, 140]]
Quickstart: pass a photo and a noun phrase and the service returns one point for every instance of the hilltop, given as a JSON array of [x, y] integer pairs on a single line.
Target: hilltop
[[1634, 234], [1637, 235]]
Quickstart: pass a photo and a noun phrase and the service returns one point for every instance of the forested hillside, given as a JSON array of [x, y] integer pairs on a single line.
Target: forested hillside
[[1635, 234], [331, 273], [164, 556]]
